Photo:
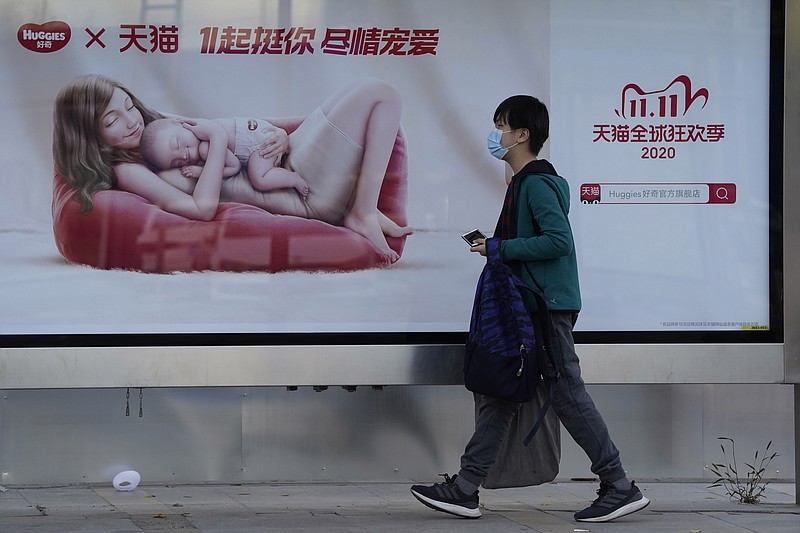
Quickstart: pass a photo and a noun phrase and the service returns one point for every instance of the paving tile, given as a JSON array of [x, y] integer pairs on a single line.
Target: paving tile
[[48, 524]]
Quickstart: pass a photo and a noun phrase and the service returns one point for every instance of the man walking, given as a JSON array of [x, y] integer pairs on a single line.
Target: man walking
[[537, 243]]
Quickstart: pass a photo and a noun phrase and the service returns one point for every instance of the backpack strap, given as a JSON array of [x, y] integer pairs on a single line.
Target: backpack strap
[[550, 376], [544, 339], [543, 325]]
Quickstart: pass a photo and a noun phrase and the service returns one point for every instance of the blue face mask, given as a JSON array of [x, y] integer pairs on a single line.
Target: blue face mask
[[493, 143]]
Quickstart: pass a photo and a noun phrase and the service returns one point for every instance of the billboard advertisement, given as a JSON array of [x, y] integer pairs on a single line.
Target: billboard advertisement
[[352, 137]]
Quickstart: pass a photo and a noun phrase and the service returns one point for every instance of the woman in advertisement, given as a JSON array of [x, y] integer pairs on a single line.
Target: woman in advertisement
[[341, 149]]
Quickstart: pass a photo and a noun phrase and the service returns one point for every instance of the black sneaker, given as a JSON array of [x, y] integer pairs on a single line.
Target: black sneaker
[[448, 497], [612, 503]]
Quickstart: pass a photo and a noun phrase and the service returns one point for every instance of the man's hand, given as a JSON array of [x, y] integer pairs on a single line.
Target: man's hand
[[478, 245]]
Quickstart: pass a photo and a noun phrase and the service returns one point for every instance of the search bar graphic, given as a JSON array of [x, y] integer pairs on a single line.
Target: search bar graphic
[[658, 193]]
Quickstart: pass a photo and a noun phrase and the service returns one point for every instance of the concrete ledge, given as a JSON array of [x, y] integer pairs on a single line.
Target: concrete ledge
[[237, 366]]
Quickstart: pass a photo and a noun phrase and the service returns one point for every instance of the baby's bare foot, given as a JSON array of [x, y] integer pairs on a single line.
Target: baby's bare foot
[[302, 188]]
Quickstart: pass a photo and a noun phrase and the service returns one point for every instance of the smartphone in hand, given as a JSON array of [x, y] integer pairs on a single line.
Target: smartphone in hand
[[470, 236]]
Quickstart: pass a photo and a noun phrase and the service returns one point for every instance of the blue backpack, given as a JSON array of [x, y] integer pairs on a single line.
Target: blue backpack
[[505, 352]]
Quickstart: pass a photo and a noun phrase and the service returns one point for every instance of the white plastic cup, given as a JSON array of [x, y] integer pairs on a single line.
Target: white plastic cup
[[127, 480]]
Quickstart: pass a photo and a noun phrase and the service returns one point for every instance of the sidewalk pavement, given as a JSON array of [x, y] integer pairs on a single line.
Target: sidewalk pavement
[[371, 507]]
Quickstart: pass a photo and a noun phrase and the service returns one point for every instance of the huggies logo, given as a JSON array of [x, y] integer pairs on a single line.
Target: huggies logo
[[675, 98], [44, 38]]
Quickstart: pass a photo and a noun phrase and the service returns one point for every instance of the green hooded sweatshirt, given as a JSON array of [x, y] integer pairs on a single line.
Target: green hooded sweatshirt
[[542, 251]]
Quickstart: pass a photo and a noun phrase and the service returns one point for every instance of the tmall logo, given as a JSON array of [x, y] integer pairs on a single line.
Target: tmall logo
[[657, 121], [672, 101], [44, 38]]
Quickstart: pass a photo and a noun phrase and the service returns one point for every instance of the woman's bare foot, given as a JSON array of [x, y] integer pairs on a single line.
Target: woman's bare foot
[[369, 227], [391, 228]]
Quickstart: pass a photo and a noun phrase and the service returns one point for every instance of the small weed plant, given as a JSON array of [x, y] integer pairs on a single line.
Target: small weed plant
[[749, 486]]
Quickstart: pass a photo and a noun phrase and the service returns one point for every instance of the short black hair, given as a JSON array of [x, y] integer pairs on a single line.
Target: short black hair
[[524, 111]]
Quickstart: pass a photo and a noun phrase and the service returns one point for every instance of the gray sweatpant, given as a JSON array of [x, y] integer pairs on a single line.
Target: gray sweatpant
[[572, 404]]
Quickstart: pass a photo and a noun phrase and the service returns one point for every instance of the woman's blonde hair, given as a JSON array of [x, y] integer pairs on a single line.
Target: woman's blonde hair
[[79, 155]]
